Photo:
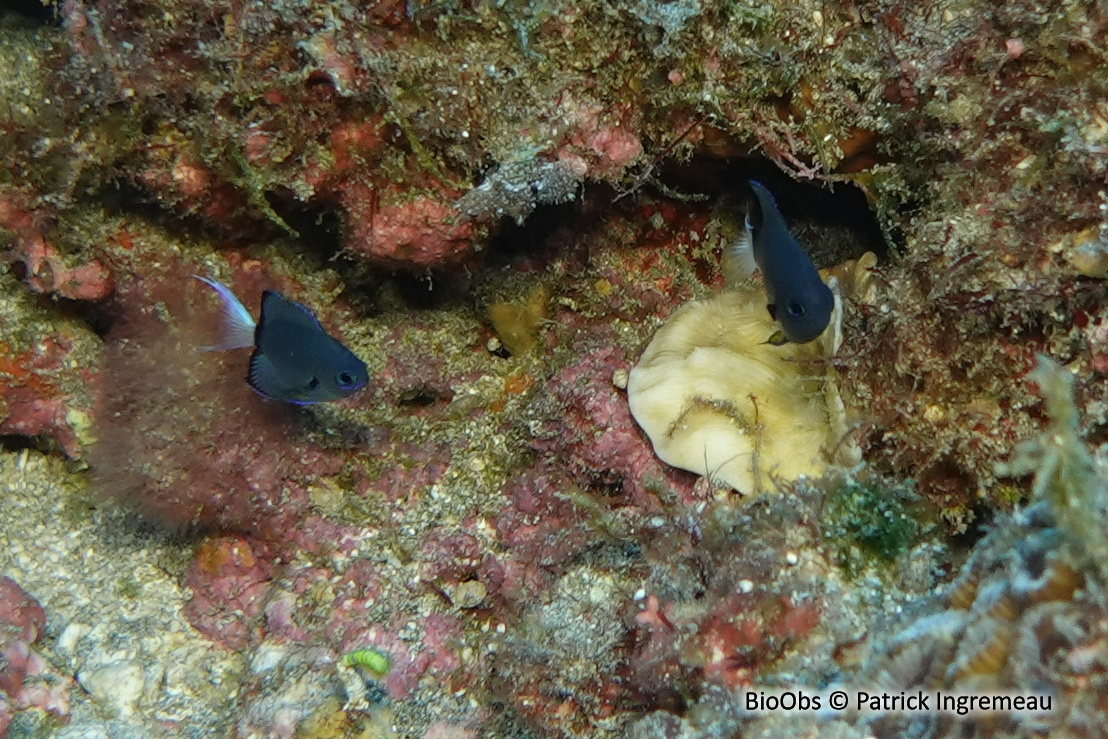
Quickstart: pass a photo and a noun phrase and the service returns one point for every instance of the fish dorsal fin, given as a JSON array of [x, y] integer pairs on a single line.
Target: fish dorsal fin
[[276, 307], [767, 214], [764, 195], [238, 325]]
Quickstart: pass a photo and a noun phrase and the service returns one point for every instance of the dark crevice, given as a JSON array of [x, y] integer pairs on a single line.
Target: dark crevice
[[431, 290], [320, 235], [120, 196], [418, 397], [532, 238], [809, 209], [834, 224], [96, 315], [30, 11], [984, 520], [318, 227], [15, 442]]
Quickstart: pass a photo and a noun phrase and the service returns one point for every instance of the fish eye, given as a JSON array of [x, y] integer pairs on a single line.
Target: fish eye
[[796, 310], [346, 379]]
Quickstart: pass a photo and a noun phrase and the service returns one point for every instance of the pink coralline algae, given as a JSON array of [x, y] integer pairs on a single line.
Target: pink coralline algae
[[350, 144], [26, 681], [610, 146], [437, 653], [417, 467], [189, 182], [421, 232], [602, 135], [596, 438], [33, 401], [21, 617], [45, 269], [230, 582], [49, 272], [722, 605], [411, 372], [450, 557], [541, 531], [355, 592], [740, 635]]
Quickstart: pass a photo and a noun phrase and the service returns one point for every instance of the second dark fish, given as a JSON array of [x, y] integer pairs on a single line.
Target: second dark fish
[[294, 359], [797, 297]]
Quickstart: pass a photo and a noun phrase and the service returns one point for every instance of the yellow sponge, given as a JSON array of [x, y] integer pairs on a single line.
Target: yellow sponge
[[715, 399]]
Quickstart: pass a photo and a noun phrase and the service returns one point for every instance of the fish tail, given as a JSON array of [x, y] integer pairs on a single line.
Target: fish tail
[[238, 326], [738, 258]]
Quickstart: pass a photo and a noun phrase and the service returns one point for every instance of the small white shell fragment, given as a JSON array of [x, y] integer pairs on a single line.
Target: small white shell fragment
[[71, 635], [118, 685], [469, 594]]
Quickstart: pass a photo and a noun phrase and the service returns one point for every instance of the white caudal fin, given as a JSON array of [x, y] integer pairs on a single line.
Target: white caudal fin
[[238, 326], [739, 263]]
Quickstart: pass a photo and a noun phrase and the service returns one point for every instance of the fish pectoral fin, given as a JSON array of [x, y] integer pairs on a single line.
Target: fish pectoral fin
[[264, 379], [267, 382], [777, 338]]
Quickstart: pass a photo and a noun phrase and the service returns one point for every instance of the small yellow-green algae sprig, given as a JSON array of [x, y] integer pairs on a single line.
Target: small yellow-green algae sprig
[[374, 661]]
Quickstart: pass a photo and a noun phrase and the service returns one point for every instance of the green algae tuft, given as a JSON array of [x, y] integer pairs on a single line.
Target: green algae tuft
[[869, 522]]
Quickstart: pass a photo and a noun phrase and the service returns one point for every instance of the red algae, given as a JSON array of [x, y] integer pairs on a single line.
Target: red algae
[[48, 272], [420, 233], [542, 530], [33, 405], [230, 580], [596, 438], [27, 681]]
